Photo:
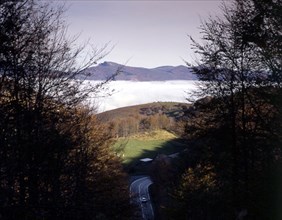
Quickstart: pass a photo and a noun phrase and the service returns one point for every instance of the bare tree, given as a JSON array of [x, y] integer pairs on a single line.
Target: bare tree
[[262, 29], [238, 58], [46, 148]]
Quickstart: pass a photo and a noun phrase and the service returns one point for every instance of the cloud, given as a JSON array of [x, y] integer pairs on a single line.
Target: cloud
[[133, 93]]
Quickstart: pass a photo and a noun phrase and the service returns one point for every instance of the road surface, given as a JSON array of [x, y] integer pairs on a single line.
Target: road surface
[[140, 195]]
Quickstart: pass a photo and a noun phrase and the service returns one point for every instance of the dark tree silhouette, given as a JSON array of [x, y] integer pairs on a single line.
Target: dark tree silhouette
[[55, 162], [237, 131]]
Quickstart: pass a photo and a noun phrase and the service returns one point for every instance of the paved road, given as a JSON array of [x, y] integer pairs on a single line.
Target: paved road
[[139, 191]]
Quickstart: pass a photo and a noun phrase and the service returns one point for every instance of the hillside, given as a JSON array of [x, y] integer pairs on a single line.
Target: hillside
[[131, 120], [163, 73], [171, 109]]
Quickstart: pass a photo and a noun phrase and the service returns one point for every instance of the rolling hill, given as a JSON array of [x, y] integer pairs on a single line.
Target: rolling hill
[[170, 109], [128, 121]]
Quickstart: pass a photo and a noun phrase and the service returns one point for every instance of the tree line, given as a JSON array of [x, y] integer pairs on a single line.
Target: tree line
[[125, 127], [232, 166], [55, 160], [132, 120]]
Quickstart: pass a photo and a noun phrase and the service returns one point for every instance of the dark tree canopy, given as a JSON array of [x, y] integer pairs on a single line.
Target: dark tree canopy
[[55, 161], [234, 158]]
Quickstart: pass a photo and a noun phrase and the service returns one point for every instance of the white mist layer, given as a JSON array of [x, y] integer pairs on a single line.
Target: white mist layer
[[127, 93]]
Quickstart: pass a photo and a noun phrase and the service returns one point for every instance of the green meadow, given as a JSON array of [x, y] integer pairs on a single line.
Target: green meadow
[[147, 145]]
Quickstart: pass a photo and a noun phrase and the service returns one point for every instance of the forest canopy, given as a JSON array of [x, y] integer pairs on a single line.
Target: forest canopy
[[234, 160], [55, 161]]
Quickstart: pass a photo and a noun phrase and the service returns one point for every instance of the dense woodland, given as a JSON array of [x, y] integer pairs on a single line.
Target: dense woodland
[[216, 181], [233, 163], [55, 161]]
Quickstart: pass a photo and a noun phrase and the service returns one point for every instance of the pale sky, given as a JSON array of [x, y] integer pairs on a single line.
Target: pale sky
[[145, 33]]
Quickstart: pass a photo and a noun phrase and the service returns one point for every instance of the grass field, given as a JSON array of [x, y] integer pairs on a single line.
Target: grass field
[[147, 145]]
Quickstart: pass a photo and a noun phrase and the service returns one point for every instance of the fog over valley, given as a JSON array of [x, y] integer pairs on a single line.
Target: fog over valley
[[127, 93], [140, 85]]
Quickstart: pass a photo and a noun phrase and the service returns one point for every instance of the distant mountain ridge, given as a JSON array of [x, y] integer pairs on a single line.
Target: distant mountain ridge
[[162, 73]]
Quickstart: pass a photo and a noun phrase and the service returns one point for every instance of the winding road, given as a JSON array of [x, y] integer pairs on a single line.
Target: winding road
[[140, 195]]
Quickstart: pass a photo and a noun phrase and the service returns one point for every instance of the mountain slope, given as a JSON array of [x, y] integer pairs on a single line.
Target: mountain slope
[[163, 73], [131, 120], [170, 109]]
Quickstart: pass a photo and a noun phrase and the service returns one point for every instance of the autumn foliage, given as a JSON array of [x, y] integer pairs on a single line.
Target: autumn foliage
[[55, 160]]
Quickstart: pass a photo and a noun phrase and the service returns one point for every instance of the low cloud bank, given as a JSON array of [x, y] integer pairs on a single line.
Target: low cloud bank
[[128, 93]]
